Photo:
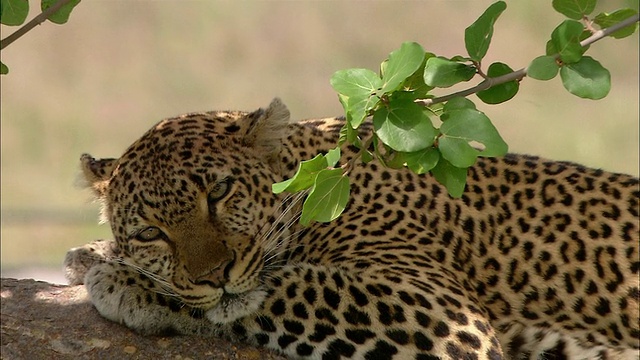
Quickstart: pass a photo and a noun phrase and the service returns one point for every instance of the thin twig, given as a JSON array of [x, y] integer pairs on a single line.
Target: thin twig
[[521, 73], [610, 30], [351, 163], [31, 24]]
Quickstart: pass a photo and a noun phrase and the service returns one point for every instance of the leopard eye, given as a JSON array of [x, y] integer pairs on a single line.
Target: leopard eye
[[220, 190], [150, 234]]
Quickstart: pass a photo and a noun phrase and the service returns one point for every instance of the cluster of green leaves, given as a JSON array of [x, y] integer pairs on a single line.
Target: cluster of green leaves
[[14, 13], [405, 127], [329, 187], [581, 75]]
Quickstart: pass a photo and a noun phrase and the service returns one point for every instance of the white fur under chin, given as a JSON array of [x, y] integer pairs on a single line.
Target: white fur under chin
[[234, 308]]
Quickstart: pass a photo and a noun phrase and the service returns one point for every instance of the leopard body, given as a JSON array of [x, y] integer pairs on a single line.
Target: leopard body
[[537, 260]]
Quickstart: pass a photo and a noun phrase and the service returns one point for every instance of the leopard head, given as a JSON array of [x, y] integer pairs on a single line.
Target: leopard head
[[190, 201]]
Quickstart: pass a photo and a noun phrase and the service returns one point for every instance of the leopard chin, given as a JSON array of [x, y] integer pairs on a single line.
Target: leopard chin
[[232, 307]]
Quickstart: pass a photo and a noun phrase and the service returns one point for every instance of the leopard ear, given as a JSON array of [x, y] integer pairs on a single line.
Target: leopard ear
[[266, 128], [96, 173]]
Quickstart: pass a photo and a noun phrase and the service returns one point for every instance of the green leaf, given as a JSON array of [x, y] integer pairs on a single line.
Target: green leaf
[[401, 95], [453, 178], [458, 151], [566, 41], [477, 37], [463, 128], [349, 112], [404, 126], [349, 134], [332, 157], [355, 82], [356, 87], [415, 82], [3, 69], [543, 68], [440, 72], [435, 109], [574, 9], [550, 49], [502, 92], [61, 16], [605, 20], [460, 58], [304, 177], [376, 148], [586, 79], [359, 109], [328, 197], [458, 103], [14, 12], [344, 132], [366, 156], [395, 160], [421, 162], [402, 63]]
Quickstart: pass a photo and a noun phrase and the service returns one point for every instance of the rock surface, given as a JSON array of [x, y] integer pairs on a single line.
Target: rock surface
[[45, 321]]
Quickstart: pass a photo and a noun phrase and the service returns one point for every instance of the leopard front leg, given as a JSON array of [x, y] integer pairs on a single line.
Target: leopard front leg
[[320, 312], [128, 297], [80, 260], [122, 294]]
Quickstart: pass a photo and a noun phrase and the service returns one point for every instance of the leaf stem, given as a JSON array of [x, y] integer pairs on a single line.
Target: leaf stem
[[33, 23], [351, 163], [521, 73], [479, 71], [588, 24]]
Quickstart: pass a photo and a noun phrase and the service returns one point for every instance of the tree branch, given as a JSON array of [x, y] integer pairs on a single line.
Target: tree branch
[[610, 30], [47, 321], [521, 73], [33, 23]]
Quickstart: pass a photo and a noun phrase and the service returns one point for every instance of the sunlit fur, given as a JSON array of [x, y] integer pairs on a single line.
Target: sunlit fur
[[537, 260]]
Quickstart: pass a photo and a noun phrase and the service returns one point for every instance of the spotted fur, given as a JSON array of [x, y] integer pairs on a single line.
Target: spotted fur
[[537, 260]]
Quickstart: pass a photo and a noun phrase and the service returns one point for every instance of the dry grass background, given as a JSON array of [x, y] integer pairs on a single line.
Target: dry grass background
[[98, 82]]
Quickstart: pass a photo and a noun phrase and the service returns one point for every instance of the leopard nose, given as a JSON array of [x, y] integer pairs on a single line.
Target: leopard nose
[[216, 277]]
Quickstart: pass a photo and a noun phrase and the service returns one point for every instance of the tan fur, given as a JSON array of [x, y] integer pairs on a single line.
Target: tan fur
[[537, 259]]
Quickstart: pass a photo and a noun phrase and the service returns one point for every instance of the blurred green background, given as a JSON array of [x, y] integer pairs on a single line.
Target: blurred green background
[[98, 82]]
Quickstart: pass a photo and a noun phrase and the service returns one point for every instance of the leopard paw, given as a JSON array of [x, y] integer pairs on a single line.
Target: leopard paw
[[127, 297], [80, 260]]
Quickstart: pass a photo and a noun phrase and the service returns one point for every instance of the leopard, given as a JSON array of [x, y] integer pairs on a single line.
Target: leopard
[[538, 259]]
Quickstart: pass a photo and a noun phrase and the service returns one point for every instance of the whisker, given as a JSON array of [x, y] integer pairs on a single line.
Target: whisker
[[165, 286], [273, 240], [269, 237], [276, 252]]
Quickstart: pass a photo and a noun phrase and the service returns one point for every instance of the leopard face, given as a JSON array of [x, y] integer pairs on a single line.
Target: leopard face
[[189, 205]]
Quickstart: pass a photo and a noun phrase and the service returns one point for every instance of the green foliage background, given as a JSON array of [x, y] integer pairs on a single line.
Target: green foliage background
[[98, 82]]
